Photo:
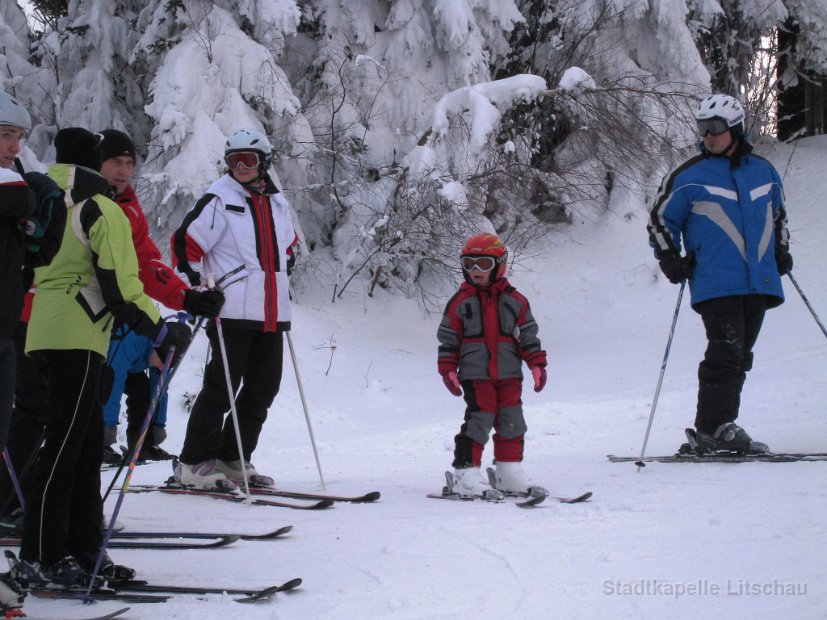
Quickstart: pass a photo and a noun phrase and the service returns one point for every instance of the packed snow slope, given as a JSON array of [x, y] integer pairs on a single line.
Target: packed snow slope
[[669, 541]]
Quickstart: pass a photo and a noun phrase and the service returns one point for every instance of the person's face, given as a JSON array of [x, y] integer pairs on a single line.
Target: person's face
[[716, 134], [718, 144], [479, 269], [10, 138], [244, 165], [480, 279], [118, 172]]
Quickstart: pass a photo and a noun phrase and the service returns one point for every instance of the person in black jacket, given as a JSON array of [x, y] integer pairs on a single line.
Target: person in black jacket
[[32, 220]]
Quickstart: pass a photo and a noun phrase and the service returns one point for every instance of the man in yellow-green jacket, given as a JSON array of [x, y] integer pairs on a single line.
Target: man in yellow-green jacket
[[93, 278]]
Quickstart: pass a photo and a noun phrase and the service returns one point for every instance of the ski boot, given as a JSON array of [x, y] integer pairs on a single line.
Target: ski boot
[[468, 482], [728, 438], [12, 596], [234, 470], [510, 479], [204, 475]]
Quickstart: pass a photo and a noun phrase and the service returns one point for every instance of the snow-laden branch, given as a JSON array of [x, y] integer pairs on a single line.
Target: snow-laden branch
[[484, 103]]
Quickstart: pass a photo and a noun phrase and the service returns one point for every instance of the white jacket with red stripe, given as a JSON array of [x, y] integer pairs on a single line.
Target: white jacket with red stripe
[[229, 228]]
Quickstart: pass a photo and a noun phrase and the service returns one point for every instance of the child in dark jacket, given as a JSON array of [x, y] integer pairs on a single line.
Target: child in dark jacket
[[487, 331]]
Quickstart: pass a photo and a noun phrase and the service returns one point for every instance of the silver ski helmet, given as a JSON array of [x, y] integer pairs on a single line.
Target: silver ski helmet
[[12, 113], [724, 108]]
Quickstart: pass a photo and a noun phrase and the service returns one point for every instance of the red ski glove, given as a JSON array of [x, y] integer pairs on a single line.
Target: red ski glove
[[540, 377], [452, 383]]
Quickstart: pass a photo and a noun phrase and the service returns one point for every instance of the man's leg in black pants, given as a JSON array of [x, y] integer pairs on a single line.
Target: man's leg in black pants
[[63, 502], [28, 422], [732, 325]]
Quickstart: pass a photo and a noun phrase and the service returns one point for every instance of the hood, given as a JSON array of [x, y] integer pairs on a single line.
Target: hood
[[78, 182]]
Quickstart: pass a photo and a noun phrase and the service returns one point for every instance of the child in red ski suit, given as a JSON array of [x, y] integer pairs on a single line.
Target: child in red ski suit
[[486, 333]]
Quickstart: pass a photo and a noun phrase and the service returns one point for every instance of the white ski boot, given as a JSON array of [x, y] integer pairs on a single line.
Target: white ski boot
[[204, 475], [509, 478], [468, 482], [234, 470]]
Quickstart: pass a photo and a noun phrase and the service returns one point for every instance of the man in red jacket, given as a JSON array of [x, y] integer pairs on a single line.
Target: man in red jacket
[[129, 352]]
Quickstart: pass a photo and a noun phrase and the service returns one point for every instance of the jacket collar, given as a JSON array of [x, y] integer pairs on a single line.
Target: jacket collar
[[78, 182]]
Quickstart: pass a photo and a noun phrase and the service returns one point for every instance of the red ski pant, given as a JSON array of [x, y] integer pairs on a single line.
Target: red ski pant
[[491, 404]]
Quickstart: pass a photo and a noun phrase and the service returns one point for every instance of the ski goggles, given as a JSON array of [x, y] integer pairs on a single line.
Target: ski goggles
[[712, 127], [483, 263], [242, 159]]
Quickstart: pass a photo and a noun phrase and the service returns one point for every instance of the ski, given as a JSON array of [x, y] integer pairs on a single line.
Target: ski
[[99, 594], [113, 614], [230, 495], [726, 457], [490, 495], [248, 595], [114, 466], [522, 503], [573, 500], [220, 541], [142, 592], [537, 492], [205, 535], [353, 499]]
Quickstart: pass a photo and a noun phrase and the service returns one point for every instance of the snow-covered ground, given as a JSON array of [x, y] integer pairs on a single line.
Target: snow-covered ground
[[670, 541]]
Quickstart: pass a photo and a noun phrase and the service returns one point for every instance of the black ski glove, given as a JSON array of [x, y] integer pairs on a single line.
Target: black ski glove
[[676, 267], [172, 334], [783, 260], [204, 303]]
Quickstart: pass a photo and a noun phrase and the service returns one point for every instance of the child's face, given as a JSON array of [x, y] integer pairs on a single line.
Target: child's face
[[479, 269], [479, 278]]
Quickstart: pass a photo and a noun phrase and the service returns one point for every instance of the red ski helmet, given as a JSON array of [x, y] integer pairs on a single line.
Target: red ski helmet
[[484, 245]]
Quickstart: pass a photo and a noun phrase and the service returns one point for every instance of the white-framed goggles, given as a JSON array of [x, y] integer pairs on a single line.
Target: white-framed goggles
[[483, 263], [243, 159]]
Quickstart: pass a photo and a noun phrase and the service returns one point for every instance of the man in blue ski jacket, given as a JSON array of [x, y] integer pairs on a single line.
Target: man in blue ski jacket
[[726, 206]]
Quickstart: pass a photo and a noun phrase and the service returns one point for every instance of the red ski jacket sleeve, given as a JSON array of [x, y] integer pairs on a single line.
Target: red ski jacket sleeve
[[160, 281]]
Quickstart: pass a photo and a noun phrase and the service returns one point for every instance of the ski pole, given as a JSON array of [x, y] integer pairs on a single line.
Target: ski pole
[[304, 406], [640, 462], [127, 457], [233, 411], [807, 303], [166, 375], [14, 480], [24, 473], [231, 395]]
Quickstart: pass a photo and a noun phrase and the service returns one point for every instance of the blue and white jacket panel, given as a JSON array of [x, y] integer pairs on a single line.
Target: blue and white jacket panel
[[730, 218]]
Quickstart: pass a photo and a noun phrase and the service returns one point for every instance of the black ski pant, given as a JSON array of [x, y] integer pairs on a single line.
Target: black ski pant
[[732, 326], [64, 510], [7, 365], [138, 398], [255, 361], [28, 422]]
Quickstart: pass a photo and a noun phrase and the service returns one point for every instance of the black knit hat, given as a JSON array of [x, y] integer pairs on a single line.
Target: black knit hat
[[78, 146], [116, 143]]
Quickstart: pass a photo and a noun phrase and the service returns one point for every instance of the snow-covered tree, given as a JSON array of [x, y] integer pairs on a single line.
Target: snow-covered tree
[[27, 77], [397, 124]]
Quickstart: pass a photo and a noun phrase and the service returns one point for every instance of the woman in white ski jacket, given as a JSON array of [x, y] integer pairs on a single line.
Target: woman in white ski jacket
[[242, 232]]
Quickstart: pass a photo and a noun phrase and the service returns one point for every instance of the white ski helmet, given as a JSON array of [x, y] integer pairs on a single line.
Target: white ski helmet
[[12, 113], [725, 107], [249, 140]]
